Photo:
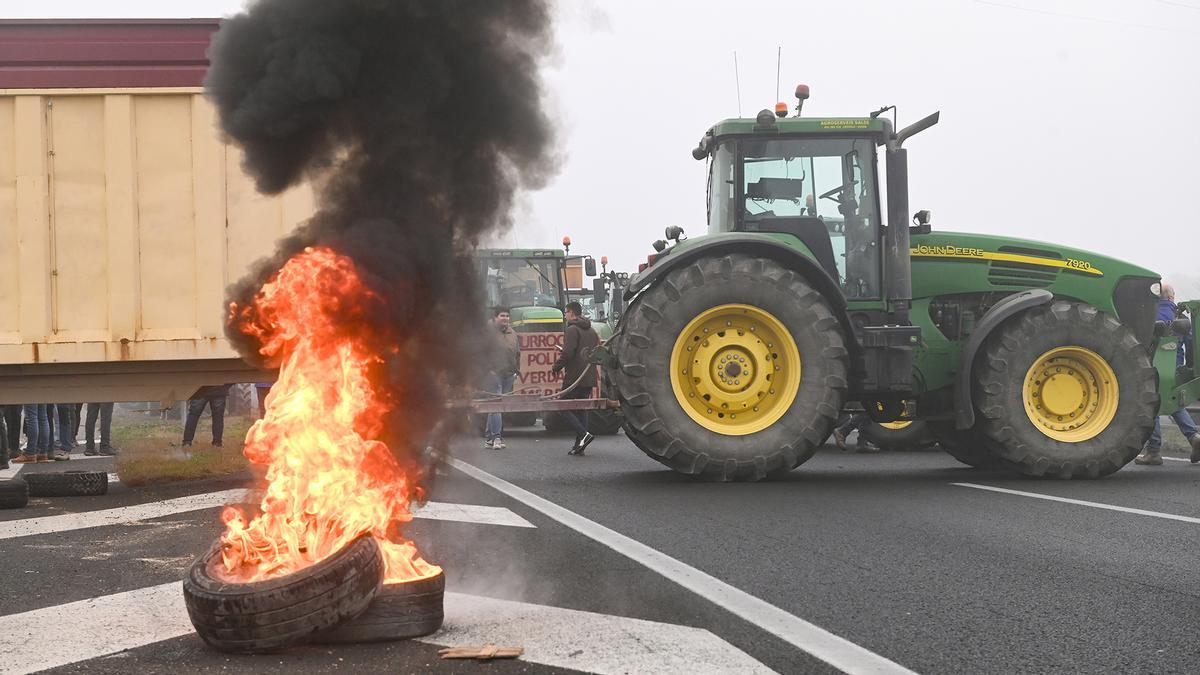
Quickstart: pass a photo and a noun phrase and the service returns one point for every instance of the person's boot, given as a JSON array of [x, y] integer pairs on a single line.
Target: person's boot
[[1149, 457], [109, 451], [24, 458], [1195, 443], [867, 448], [575, 447], [90, 451], [584, 442], [839, 438]]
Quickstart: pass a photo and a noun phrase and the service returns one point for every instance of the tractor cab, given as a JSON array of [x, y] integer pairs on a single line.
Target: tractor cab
[[819, 187]]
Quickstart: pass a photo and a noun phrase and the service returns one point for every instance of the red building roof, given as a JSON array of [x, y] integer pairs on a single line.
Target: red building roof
[[94, 53]]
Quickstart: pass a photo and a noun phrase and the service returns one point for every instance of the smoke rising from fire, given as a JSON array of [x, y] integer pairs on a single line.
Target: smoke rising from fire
[[420, 121]]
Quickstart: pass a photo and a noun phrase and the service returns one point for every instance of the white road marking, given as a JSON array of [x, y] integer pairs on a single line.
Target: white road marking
[[561, 638], [470, 513], [466, 513], [820, 643], [125, 514], [586, 641], [1177, 459], [77, 631], [1080, 502]]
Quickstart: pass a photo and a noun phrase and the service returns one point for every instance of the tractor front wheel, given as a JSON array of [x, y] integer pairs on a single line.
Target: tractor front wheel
[[732, 368], [1065, 391]]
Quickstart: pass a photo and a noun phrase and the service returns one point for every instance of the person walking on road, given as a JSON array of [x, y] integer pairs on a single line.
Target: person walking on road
[[505, 363], [103, 411], [579, 340], [856, 422], [1152, 454], [214, 398]]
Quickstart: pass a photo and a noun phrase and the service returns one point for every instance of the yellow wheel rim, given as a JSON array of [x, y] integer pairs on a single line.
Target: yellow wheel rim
[[735, 369], [1071, 394], [898, 424]]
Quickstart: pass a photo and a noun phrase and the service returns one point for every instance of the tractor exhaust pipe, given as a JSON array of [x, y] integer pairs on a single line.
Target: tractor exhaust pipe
[[898, 264]]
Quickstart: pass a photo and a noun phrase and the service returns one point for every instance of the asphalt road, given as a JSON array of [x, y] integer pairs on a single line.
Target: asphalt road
[[889, 553]]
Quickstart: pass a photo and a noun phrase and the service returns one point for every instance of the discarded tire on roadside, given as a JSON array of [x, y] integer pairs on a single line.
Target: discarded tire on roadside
[[261, 616], [14, 493], [67, 483], [405, 610]]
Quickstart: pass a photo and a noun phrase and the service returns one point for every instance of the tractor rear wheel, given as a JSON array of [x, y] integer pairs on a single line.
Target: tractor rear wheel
[[1066, 391], [967, 446], [731, 368], [899, 435]]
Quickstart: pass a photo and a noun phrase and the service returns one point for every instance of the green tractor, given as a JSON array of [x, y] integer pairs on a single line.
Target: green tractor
[[740, 348], [533, 284]]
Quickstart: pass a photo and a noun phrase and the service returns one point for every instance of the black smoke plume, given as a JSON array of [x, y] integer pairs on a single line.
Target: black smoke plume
[[419, 121]]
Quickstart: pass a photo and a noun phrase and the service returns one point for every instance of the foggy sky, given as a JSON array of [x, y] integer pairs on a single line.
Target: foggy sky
[[1065, 121]]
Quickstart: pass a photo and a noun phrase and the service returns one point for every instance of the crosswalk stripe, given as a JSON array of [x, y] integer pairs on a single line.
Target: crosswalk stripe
[[90, 628], [561, 638], [125, 514], [28, 527]]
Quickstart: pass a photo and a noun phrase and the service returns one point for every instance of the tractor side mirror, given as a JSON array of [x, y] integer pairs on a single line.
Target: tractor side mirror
[[1181, 327], [921, 223], [589, 266], [599, 291]]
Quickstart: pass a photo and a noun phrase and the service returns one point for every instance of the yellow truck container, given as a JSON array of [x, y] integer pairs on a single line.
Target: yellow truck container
[[123, 217]]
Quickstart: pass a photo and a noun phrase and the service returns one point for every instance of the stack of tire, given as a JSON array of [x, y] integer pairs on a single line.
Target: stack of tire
[[15, 492], [341, 599]]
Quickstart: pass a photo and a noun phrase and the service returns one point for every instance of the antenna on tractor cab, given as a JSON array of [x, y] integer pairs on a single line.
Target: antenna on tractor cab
[[737, 82], [778, 65]]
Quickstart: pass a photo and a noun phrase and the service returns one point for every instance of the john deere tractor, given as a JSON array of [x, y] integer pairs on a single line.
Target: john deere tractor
[[740, 348]]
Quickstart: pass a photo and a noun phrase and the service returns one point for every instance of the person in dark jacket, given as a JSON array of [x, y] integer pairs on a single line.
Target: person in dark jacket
[[579, 340], [1152, 454], [505, 363]]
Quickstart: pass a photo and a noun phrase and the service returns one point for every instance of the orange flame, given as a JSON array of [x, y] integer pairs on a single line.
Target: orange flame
[[328, 478]]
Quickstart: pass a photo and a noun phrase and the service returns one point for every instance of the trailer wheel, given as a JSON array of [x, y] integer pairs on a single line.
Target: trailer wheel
[[67, 483], [732, 368], [967, 446], [900, 435], [407, 610], [14, 493], [1066, 391], [260, 616]]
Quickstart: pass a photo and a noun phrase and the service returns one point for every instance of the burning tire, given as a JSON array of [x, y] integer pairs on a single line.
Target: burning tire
[[67, 483], [14, 494], [399, 611], [264, 615]]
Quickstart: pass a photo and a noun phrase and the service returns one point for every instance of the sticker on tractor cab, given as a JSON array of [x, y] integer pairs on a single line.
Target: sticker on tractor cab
[[958, 252], [846, 124]]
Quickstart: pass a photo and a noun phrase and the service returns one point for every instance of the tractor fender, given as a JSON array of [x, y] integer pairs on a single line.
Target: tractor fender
[[742, 242], [754, 244], [1007, 307]]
